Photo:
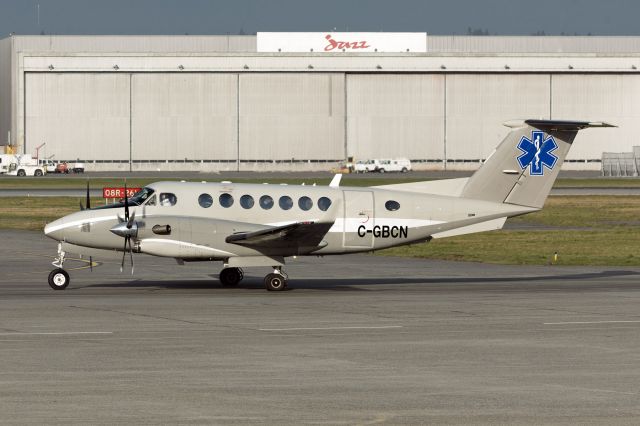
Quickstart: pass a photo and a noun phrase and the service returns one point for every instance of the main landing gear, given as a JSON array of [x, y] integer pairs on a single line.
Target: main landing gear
[[231, 277], [59, 278], [276, 281]]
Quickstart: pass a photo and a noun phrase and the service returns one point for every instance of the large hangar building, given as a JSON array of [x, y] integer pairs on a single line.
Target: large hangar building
[[230, 103]]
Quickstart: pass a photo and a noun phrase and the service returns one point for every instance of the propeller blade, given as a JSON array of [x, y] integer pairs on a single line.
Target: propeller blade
[[124, 253], [88, 198], [120, 219], [126, 203], [131, 220], [91, 263], [131, 254], [81, 206]]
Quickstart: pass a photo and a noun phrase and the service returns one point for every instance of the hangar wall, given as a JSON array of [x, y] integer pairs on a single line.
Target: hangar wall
[[228, 119], [5, 89], [127, 101]]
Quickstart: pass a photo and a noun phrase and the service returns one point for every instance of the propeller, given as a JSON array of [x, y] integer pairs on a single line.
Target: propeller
[[87, 208], [127, 228]]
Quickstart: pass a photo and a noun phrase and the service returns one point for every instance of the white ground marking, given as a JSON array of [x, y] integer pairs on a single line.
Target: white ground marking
[[332, 328], [589, 322], [55, 333]]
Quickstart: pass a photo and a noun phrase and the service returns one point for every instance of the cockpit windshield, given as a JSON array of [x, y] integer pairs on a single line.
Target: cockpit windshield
[[138, 199]]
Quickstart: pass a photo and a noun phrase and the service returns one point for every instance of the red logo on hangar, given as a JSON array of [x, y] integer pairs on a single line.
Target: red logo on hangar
[[353, 45]]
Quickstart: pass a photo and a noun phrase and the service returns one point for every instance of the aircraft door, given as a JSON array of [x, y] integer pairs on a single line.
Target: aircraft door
[[358, 219]]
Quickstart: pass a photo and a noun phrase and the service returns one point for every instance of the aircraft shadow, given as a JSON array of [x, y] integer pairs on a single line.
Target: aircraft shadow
[[363, 284]]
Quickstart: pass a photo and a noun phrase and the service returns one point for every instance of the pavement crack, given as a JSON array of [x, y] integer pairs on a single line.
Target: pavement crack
[[138, 314]]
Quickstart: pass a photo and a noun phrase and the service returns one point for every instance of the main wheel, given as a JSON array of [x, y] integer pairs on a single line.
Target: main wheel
[[230, 277], [59, 279], [275, 282]]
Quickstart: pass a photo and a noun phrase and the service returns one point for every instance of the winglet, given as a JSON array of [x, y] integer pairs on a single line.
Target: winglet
[[335, 182]]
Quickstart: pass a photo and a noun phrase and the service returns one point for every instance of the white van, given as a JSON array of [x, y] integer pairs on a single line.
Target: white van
[[402, 165]]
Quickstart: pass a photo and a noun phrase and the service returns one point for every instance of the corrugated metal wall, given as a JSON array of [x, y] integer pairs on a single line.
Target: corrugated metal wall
[[291, 116], [395, 115], [178, 116], [82, 116], [612, 98], [301, 116], [478, 104], [146, 43], [5, 89]]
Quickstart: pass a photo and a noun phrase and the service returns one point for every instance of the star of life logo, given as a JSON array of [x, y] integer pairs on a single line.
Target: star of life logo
[[537, 153]]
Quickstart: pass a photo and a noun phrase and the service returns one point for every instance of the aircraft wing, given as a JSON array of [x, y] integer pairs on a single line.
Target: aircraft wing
[[301, 234]]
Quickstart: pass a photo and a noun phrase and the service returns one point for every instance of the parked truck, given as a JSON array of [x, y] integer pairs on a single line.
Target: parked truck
[[16, 169]]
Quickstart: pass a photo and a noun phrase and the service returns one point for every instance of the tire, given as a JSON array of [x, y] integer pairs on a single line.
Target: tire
[[380, 170], [21, 173], [275, 282], [230, 277], [404, 170], [59, 279], [38, 172], [66, 172]]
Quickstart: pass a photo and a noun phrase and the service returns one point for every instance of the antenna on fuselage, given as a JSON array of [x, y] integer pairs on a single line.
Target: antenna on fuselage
[[335, 182]]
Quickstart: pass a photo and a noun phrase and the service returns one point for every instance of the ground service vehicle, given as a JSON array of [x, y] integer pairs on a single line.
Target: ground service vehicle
[[16, 169]]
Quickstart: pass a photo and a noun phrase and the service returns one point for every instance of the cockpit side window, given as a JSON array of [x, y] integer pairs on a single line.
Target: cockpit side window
[[168, 199], [152, 200]]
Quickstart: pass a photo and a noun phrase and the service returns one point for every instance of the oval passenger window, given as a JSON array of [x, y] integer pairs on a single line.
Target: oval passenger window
[[205, 200], [305, 203], [324, 203], [285, 202], [266, 202], [392, 206], [226, 200], [246, 201]]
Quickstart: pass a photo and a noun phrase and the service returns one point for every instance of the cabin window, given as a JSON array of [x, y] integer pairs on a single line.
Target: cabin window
[[285, 202], [266, 202], [226, 200], [392, 206], [168, 199], [205, 201], [246, 201], [324, 203], [305, 203]]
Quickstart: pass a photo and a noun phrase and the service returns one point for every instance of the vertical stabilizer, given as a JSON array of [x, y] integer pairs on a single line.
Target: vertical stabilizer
[[525, 165]]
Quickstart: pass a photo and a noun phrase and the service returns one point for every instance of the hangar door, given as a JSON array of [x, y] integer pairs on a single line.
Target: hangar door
[[77, 115], [395, 115]]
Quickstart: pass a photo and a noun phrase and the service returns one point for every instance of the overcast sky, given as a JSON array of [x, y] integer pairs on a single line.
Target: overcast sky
[[505, 17]]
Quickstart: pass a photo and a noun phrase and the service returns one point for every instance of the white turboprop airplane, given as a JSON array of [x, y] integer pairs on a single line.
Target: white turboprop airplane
[[247, 225]]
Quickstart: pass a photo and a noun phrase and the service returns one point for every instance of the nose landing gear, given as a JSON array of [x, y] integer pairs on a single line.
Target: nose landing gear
[[59, 278]]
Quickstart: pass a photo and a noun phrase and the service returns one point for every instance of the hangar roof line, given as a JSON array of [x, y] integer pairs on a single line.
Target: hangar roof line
[[436, 44]]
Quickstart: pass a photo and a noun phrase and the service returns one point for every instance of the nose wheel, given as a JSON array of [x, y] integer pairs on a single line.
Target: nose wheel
[[276, 281], [58, 279]]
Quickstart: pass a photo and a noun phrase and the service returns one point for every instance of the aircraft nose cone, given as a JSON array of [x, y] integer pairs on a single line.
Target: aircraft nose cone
[[55, 230], [120, 229]]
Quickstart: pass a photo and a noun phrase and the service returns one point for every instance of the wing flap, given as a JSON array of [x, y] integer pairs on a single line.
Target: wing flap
[[297, 234]]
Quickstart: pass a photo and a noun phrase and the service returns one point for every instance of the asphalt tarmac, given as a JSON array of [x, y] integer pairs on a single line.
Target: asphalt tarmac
[[358, 339]]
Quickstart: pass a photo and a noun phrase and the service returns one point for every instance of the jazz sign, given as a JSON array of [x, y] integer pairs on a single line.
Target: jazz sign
[[335, 42]]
